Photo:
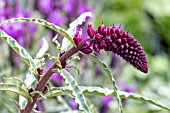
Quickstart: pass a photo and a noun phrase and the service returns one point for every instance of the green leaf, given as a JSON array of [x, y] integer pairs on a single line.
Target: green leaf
[[18, 49], [98, 91], [18, 80], [74, 67], [30, 81], [91, 106], [15, 89], [72, 28], [16, 103], [41, 22], [38, 92], [43, 49], [56, 42], [4, 105], [109, 74], [79, 97]]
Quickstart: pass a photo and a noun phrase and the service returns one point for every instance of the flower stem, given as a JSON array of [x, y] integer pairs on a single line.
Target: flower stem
[[48, 74]]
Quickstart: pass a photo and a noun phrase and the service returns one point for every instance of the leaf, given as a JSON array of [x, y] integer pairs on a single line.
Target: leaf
[[72, 28], [43, 49], [38, 92], [98, 91], [18, 49], [15, 89], [4, 105], [41, 22], [16, 103], [74, 67], [91, 106], [18, 80], [79, 97], [109, 74], [56, 42], [51, 58]]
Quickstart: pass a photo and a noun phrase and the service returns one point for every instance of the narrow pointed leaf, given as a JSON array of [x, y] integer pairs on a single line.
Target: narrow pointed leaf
[[15, 89], [18, 80], [109, 74], [79, 97], [18, 49], [98, 91], [72, 28], [16, 103], [41, 22]]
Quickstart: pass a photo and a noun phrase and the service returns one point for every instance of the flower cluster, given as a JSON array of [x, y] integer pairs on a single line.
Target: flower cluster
[[117, 41]]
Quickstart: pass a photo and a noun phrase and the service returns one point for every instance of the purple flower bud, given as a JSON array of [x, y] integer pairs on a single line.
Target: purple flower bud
[[100, 28], [121, 43], [98, 36], [87, 50], [108, 39], [104, 32], [132, 53], [103, 44], [87, 44], [90, 31], [96, 47], [78, 36], [109, 30]]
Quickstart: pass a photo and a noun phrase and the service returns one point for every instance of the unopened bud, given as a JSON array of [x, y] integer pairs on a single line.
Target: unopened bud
[[90, 31]]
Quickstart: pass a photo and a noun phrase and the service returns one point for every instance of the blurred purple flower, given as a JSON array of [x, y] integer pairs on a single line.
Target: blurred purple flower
[[107, 99], [84, 8], [76, 7], [73, 104], [14, 29], [46, 6], [68, 7], [98, 71], [115, 63], [56, 77], [2, 6], [40, 106], [105, 102], [127, 88], [56, 17]]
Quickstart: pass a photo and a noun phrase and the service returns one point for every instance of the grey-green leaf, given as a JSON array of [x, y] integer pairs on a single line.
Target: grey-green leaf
[[109, 74], [98, 91], [16, 103], [41, 22], [16, 89], [79, 97], [18, 49], [18, 80], [72, 28]]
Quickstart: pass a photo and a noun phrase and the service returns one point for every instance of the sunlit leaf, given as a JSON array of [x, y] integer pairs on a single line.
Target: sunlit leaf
[[18, 80], [72, 28], [98, 91], [16, 89], [18, 49], [79, 97], [43, 49], [41, 22], [109, 74]]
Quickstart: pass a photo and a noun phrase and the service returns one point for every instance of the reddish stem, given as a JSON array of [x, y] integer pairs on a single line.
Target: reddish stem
[[48, 74]]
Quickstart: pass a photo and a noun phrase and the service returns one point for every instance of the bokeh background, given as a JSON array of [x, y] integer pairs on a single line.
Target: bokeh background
[[147, 20]]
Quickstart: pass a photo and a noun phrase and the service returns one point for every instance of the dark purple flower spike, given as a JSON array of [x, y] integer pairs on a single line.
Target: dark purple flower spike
[[119, 42]]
